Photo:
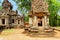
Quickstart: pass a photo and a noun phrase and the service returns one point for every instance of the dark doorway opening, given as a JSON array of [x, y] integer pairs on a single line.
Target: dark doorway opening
[[18, 21], [40, 23], [3, 21], [12, 20]]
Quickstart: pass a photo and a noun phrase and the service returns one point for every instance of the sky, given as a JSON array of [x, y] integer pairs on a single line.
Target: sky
[[12, 2], [59, 9], [15, 6]]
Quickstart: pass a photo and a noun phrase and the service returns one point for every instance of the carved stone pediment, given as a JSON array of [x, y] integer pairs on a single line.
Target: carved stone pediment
[[39, 6]]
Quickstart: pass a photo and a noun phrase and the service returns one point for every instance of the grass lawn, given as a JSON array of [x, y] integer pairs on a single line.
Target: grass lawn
[[57, 27], [10, 32]]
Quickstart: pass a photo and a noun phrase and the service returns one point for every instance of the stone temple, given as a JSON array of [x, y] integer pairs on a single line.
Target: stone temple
[[39, 15], [9, 18]]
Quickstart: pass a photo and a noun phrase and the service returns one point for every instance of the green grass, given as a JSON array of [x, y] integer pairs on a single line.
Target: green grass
[[57, 27], [7, 32]]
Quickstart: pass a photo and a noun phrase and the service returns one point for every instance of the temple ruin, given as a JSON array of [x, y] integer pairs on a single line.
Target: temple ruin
[[9, 18], [39, 14]]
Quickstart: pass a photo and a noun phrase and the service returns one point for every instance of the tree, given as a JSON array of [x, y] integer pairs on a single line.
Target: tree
[[23, 5], [54, 6], [0, 7]]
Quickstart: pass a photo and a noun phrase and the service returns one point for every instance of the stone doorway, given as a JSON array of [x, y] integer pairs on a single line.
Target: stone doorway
[[3, 21], [39, 18], [40, 23]]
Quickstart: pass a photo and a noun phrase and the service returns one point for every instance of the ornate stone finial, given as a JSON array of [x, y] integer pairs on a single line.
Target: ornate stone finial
[[7, 5]]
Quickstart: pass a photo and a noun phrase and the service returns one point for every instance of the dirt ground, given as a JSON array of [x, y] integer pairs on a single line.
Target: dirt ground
[[17, 34]]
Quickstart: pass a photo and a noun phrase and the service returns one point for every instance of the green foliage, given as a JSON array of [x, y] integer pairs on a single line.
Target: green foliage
[[58, 20], [26, 18], [54, 6], [0, 7], [23, 5]]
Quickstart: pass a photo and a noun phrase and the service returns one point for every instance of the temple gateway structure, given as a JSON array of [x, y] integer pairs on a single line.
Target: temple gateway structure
[[9, 18], [39, 15]]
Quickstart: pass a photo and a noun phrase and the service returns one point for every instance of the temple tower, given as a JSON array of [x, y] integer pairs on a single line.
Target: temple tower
[[6, 5], [39, 15], [8, 17]]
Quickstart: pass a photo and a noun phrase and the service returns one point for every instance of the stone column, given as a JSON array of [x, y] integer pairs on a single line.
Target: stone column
[[30, 21], [20, 22], [43, 22], [35, 23], [45, 17], [0, 21], [5, 21], [46, 21]]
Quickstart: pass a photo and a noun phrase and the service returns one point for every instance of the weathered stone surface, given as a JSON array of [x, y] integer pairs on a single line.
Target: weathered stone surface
[[40, 6], [11, 18], [39, 13]]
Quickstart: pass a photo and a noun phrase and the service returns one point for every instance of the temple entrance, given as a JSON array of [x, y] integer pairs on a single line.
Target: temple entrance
[[3, 21], [39, 18], [40, 23]]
